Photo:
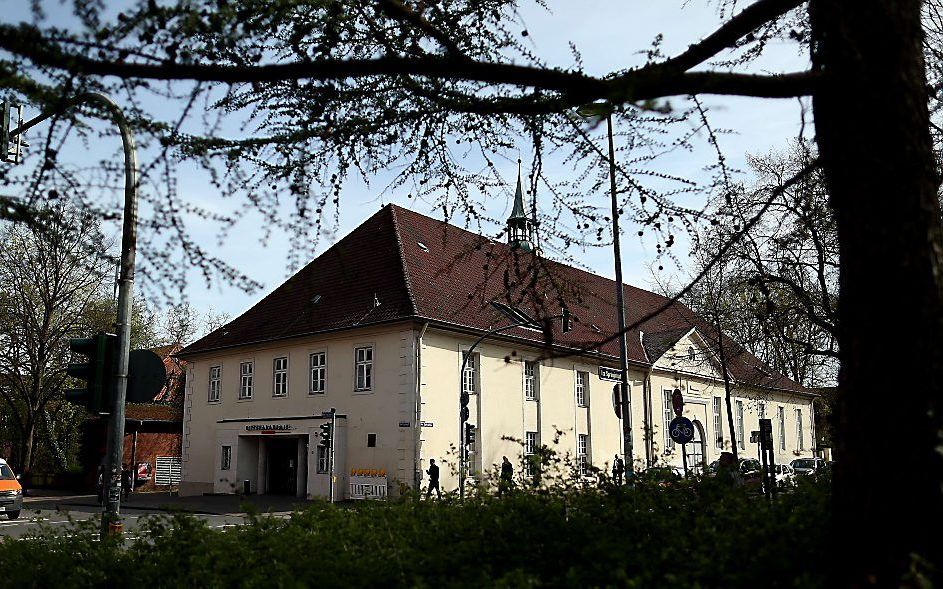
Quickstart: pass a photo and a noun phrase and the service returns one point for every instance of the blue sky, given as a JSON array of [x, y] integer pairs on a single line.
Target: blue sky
[[609, 34]]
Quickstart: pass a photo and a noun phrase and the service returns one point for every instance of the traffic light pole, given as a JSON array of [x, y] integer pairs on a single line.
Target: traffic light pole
[[333, 437], [463, 403], [111, 507]]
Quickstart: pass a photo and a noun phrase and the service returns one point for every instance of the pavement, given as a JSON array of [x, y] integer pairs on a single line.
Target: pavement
[[170, 502], [57, 512]]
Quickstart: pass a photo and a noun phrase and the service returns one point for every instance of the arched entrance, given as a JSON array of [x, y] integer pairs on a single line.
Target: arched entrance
[[696, 450]]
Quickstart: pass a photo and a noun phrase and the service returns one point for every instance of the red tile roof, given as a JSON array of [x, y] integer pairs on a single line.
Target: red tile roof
[[402, 265]]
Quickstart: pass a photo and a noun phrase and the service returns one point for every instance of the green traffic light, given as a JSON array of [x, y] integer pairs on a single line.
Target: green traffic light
[[96, 373]]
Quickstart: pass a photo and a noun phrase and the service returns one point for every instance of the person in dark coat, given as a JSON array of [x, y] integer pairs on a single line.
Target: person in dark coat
[[433, 473], [507, 475], [618, 468], [126, 484], [100, 484]]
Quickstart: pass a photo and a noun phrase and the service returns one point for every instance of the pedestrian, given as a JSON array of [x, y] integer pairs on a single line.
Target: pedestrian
[[507, 474], [126, 480], [100, 484], [728, 472], [433, 473], [618, 468]]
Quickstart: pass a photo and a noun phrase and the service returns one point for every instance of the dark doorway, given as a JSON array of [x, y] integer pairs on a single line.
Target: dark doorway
[[282, 466]]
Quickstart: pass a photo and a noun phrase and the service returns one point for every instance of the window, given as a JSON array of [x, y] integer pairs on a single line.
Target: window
[[530, 381], [718, 425], [371, 440], [582, 389], [245, 380], [225, 459], [363, 360], [668, 412], [324, 458], [280, 377], [318, 365], [691, 354], [530, 446], [215, 374], [740, 441], [582, 453], [781, 418], [800, 442], [469, 378], [761, 410]]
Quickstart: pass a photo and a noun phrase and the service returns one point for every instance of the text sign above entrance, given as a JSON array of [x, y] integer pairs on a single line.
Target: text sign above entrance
[[606, 373], [274, 427]]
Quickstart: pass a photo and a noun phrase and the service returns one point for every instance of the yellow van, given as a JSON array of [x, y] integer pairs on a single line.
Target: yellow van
[[11, 493]]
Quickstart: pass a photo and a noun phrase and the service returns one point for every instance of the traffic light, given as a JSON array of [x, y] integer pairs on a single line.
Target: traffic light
[[469, 435], [97, 372], [325, 441]]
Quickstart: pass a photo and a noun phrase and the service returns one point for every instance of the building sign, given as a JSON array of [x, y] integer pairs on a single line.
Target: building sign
[[606, 373], [276, 427]]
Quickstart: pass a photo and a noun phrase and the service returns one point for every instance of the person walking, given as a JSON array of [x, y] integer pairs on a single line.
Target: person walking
[[125, 480], [100, 484], [507, 474], [618, 468], [433, 473]]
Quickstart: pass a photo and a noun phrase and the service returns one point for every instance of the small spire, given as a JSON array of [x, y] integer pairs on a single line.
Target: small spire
[[520, 231], [517, 212]]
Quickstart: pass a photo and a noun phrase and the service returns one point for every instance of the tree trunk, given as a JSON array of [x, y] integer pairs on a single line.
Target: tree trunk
[[872, 128], [723, 368], [26, 446]]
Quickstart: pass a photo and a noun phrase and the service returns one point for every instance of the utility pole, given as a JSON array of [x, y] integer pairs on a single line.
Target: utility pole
[[111, 508], [597, 110], [620, 311]]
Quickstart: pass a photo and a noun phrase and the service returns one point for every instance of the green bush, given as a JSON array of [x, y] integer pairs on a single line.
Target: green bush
[[683, 535]]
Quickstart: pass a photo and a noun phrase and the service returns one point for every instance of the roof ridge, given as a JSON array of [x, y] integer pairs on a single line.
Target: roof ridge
[[414, 309]]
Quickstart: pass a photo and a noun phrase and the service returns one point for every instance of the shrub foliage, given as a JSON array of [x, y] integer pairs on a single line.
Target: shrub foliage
[[682, 535]]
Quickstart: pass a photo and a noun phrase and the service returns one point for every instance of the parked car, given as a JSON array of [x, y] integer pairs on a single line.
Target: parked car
[[804, 466], [661, 475], [11, 493], [784, 474]]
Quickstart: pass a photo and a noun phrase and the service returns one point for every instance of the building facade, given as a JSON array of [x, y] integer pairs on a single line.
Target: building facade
[[377, 328]]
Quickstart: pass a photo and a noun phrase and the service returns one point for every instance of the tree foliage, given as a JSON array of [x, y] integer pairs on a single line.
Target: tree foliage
[[50, 274], [776, 290]]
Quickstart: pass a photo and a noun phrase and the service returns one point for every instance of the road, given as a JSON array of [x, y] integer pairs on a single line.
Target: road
[[59, 514]]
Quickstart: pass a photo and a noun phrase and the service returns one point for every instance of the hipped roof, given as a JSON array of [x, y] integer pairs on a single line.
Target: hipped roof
[[400, 265]]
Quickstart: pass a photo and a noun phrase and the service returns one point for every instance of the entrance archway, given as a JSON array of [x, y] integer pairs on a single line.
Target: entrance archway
[[697, 450]]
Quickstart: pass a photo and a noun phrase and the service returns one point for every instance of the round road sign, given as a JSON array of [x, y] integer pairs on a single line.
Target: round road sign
[[681, 430], [677, 402]]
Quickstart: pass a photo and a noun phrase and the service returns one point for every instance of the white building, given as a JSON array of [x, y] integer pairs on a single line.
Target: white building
[[376, 327]]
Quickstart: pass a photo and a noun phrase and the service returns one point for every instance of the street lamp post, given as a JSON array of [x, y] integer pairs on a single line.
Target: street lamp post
[[463, 402], [596, 110], [111, 506]]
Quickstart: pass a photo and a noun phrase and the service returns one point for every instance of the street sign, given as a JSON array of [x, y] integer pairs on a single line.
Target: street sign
[[606, 373], [425, 424], [147, 375], [766, 433], [677, 402], [681, 430]]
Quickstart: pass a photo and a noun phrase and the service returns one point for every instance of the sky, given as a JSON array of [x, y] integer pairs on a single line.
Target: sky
[[609, 35]]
